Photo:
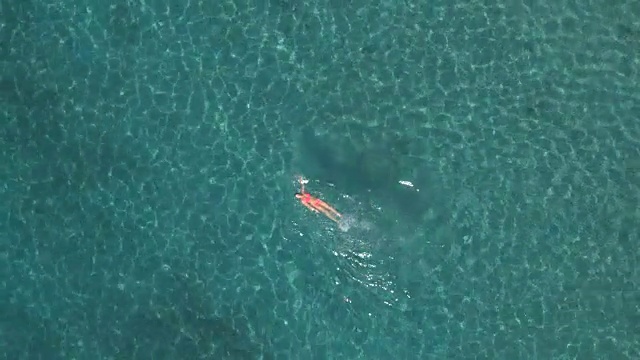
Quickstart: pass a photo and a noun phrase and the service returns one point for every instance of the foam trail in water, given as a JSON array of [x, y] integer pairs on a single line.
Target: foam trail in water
[[349, 221]]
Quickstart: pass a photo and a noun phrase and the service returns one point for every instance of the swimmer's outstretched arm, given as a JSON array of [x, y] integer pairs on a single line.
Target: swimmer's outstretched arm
[[302, 181]]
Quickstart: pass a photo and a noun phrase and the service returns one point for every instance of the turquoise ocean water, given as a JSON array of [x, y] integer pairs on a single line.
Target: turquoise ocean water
[[485, 156]]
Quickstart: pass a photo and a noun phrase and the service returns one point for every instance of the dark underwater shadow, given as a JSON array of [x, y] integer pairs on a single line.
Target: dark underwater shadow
[[25, 336], [371, 171], [17, 18], [173, 335], [181, 323]]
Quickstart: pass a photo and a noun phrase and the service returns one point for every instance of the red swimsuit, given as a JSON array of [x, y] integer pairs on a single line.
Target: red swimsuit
[[307, 198]]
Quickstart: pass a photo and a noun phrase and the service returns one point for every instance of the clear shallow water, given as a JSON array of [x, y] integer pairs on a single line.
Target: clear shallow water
[[149, 155]]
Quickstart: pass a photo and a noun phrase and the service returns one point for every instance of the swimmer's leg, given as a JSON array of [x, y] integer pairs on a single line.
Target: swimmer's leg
[[310, 207], [327, 207], [329, 214]]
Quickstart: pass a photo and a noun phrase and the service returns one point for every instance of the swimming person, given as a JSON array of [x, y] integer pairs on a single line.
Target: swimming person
[[314, 204]]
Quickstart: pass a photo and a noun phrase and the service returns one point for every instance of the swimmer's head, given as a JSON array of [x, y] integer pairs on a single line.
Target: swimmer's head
[[298, 195]]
